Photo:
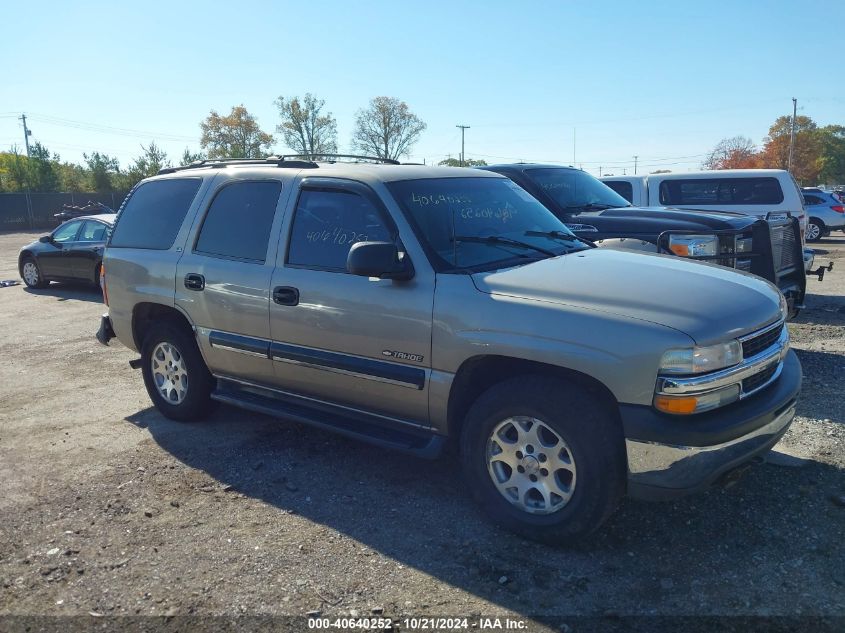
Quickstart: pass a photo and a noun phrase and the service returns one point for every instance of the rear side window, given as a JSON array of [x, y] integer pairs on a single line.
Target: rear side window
[[721, 191], [238, 221], [153, 214], [624, 189], [93, 232], [809, 199]]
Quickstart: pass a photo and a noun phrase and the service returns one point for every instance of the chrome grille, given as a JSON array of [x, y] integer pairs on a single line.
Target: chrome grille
[[762, 341], [783, 245]]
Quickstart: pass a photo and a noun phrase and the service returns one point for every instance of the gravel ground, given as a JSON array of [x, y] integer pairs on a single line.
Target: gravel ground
[[109, 508]]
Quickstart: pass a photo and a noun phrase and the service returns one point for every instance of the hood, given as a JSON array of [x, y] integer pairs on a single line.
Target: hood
[[709, 303], [672, 218]]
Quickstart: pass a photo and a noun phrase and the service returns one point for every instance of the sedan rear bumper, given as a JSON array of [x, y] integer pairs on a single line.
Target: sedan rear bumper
[[106, 332]]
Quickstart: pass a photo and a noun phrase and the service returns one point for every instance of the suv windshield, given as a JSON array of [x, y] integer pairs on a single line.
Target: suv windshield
[[480, 223], [575, 189]]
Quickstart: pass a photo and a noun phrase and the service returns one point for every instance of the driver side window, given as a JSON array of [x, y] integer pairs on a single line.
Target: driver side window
[[327, 223], [66, 232]]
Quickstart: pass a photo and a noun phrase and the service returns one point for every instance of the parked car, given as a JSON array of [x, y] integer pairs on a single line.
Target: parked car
[[757, 192], [826, 213], [591, 209], [72, 252], [416, 307]]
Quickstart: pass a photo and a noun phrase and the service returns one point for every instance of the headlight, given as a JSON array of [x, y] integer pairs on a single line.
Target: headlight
[[697, 360], [743, 245], [694, 245], [784, 308]]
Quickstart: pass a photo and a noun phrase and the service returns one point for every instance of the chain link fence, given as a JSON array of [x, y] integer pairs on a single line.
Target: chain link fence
[[31, 211]]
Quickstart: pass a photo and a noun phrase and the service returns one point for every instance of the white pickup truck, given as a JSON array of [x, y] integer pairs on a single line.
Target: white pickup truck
[[758, 192], [749, 191]]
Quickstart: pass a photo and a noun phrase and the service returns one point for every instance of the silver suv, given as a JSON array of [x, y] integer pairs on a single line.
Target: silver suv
[[419, 308]]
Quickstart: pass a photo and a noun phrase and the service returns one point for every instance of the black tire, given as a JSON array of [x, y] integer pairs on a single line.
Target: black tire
[[197, 402], [816, 228], [584, 422], [41, 282]]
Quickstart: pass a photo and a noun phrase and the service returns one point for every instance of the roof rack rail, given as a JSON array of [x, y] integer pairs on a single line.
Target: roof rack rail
[[331, 158], [278, 161]]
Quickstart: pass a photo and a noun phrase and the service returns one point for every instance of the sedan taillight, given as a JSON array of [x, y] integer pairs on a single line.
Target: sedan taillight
[[838, 208]]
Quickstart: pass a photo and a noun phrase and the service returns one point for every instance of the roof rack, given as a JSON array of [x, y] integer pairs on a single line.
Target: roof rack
[[278, 161], [330, 158]]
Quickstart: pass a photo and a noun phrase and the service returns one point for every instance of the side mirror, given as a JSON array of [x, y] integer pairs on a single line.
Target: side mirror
[[377, 259], [46, 239]]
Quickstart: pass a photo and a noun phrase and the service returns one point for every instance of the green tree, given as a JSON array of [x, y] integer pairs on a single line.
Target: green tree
[[831, 161], [386, 128], [43, 175], [305, 129], [147, 164], [73, 177], [103, 170], [469, 162], [235, 135], [189, 157]]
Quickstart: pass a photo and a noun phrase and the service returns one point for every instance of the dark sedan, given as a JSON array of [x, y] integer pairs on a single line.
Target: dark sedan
[[73, 252]]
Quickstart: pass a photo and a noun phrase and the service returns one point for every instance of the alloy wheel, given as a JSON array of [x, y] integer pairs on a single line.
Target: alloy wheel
[[531, 465], [170, 373]]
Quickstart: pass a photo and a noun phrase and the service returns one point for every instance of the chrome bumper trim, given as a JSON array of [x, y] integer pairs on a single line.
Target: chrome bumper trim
[[671, 467]]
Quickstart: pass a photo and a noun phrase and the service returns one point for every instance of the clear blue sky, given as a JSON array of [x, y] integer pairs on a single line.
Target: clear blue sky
[[663, 80]]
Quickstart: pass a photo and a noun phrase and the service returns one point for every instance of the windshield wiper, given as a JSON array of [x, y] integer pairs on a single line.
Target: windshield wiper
[[560, 235], [496, 240], [591, 206]]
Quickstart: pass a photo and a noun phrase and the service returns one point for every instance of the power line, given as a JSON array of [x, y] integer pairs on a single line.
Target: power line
[[107, 129]]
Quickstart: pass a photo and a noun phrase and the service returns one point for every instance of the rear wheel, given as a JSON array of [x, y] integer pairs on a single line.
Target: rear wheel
[[815, 230], [175, 374], [543, 458], [31, 274]]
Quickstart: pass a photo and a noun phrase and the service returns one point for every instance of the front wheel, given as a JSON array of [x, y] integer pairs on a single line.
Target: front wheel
[[175, 374], [544, 458], [31, 274]]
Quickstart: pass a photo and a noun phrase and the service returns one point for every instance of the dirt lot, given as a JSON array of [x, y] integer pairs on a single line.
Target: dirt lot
[[108, 508]]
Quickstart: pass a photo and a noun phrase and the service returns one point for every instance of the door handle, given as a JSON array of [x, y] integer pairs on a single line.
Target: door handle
[[193, 281], [286, 296]]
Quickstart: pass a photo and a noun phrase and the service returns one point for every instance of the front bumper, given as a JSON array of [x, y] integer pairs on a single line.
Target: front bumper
[[670, 456]]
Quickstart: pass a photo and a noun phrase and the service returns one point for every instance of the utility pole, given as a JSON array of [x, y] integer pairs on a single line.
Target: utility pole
[[574, 130], [792, 134], [26, 133], [599, 171], [464, 128], [635, 164]]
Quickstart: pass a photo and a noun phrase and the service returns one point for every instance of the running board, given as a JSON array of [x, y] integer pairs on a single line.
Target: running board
[[353, 424]]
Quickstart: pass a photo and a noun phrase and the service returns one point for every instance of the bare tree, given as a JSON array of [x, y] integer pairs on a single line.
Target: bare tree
[[305, 129], [386, 128], [738, 152]]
